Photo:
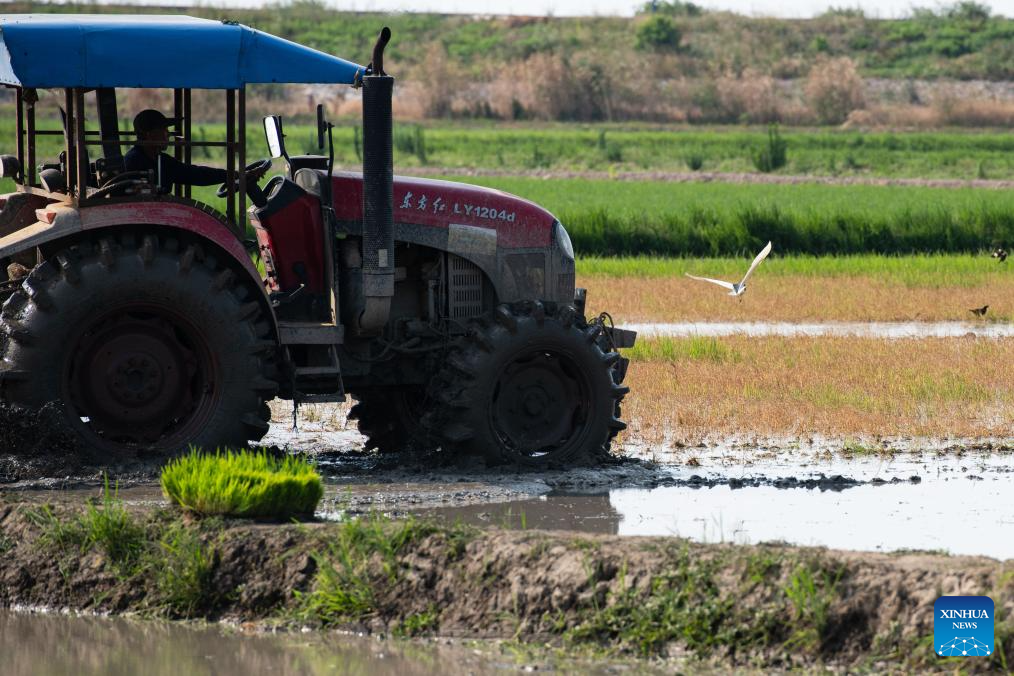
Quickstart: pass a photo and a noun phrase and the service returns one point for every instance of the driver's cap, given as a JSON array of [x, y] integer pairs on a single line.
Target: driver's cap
[[149, 120]]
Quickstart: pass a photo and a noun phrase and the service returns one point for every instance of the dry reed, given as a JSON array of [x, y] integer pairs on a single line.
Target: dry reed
[[839, 387]]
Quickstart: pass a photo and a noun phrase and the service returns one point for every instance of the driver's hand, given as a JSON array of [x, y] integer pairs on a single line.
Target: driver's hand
[[256, 174]]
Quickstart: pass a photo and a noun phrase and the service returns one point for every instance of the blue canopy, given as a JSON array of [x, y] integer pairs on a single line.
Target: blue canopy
[[87, 50]]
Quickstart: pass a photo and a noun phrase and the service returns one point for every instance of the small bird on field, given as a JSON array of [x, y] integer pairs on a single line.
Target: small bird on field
[[1000, 255], [979, 311], [737, 288]]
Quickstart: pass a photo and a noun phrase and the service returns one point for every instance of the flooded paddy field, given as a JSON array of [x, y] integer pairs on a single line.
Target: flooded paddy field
[[896, 496]]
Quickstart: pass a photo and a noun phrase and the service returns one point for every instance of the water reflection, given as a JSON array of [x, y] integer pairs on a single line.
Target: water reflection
[[565, 511], [958, 504], [34, 644]]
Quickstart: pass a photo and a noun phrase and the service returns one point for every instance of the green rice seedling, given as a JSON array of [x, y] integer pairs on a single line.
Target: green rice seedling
[[242, 484]]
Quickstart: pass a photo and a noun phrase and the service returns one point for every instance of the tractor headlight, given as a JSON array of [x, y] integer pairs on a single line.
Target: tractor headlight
[[563, 240]]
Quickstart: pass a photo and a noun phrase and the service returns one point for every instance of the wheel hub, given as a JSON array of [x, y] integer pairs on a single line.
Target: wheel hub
[[136, 379], [135, 376], [538, 403]]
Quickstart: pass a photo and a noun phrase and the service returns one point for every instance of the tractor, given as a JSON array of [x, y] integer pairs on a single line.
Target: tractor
[[154, 323]]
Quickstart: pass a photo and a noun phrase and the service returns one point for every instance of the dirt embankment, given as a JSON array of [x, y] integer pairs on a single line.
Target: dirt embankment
[[762, 606]]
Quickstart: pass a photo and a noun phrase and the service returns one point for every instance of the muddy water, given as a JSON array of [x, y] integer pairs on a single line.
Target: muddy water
[[42, 644], [858, 329], [942, 497], [959, 505]]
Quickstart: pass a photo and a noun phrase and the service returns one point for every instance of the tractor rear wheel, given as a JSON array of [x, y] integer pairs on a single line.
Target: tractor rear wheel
[[388, 418], [531, 387], [148, 344]]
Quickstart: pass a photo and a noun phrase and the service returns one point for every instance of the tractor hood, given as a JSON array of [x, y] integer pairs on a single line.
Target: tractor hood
[[511, 221]]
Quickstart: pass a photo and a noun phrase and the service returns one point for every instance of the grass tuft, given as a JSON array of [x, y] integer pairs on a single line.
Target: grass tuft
[[694, 348], [107, 526], [357, 555], [684, 604], [811, 594], [182, 566], [242, 483]]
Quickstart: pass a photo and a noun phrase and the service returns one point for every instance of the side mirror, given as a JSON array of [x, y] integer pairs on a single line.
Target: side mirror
[[275, 137]]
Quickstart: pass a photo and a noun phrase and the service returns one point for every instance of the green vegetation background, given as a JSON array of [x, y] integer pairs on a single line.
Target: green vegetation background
[[960, 40]]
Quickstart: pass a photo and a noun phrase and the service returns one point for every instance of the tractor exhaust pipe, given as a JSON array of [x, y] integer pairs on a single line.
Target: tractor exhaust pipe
[[378, 194]]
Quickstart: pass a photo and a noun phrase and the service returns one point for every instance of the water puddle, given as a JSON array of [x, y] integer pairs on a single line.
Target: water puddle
[[891, 330], [943, 496], [957, 504]]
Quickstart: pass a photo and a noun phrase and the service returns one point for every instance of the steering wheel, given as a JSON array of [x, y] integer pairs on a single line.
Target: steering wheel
[[260, 166], [124, 187]]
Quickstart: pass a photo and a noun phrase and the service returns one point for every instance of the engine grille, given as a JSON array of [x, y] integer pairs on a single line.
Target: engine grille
[[464, 292]]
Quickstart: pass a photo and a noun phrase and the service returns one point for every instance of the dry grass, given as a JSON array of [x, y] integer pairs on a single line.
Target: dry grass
[[795, 298], [832, 386]]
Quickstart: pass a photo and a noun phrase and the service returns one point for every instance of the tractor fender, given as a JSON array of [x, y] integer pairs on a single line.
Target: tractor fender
[[59, 221]]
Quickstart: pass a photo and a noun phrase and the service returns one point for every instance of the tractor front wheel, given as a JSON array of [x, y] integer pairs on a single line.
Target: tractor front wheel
[[531, 387], [147, 342]]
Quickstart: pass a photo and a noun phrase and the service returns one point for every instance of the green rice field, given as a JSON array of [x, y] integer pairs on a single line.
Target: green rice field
[[624, 218], [917, 271], [965, 154], [712, 219]]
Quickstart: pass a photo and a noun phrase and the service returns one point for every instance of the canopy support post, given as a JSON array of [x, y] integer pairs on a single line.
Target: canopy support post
[[79, 145], [19, 102], [187, 130], [177, 150], [30, 98], [230, 154], [70, 152], [242, 159]]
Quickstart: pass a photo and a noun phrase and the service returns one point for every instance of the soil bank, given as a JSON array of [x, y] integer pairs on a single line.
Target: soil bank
[[721, 605]]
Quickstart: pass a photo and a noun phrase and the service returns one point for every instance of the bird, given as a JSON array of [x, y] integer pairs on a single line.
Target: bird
[[979, 311], [737, 288], [1000, 255]]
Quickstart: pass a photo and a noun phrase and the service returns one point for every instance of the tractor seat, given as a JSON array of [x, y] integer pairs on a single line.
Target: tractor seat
[[312, 181]]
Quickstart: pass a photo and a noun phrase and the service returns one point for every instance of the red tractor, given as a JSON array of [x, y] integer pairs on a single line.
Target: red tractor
[[449, 312]]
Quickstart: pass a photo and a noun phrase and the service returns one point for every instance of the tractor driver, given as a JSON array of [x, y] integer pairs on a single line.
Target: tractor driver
[[152, 126]]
